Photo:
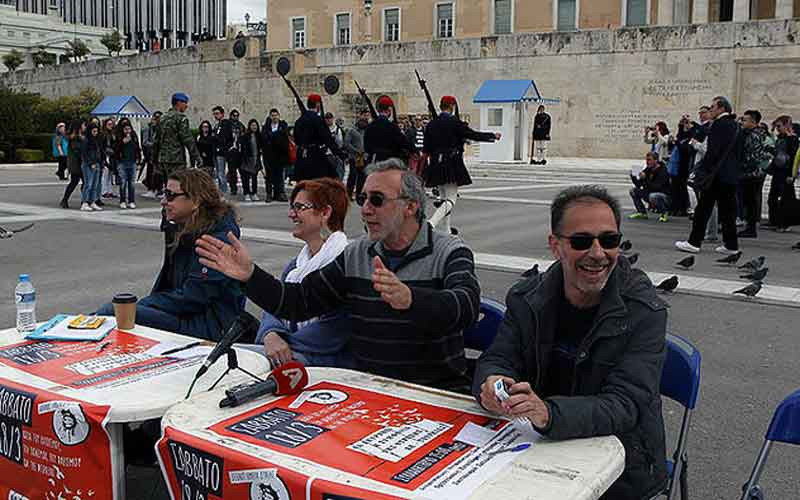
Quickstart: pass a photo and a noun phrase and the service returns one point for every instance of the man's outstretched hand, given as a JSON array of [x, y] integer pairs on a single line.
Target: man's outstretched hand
[[393, 291], [232, 260]]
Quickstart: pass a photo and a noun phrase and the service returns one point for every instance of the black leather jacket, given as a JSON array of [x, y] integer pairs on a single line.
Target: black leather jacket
[[617, 374]]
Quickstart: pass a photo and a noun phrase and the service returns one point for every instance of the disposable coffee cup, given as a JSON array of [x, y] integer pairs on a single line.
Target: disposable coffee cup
[[125, 310]]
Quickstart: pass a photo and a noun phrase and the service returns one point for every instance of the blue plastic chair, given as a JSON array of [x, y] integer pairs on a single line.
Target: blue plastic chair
[[482, 333], [680, 382], [784, 428]]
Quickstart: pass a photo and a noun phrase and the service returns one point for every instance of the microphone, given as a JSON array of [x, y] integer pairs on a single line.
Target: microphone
[[244, 323], [290, 378]]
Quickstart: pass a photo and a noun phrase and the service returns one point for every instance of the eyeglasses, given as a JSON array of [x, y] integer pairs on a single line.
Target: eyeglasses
[[170, 195], [584, 241], [298, 207], [375, 199]]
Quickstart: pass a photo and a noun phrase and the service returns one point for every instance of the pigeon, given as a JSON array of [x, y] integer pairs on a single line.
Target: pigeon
[[626, 246], [9, 233], [757, 275], [633, 258], [668, 284], [754, 264], [796, 246], [750, 290], [686, 263], [730, 259]]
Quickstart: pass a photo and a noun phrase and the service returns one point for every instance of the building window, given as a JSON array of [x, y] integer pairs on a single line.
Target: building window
[[343, 29], [502, 16], [567, 13], [391, 25], [495, 118], [444, 20], [298, 32], [636, 13]]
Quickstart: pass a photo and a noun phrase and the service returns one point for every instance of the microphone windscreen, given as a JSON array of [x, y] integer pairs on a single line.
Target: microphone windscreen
[[291, 378]]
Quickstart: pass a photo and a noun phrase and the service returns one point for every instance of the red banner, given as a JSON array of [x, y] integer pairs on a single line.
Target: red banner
[[51, 446], [80, 364], [395, 441], [199, 470]]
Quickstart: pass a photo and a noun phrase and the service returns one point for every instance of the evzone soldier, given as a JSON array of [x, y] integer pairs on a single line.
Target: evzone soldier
[[313, 138], [444, 144], [541, 136], [383, 139]]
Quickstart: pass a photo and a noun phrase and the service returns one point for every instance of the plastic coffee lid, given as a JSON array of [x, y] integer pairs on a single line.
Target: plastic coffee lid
[[24, 277], [124, 298]]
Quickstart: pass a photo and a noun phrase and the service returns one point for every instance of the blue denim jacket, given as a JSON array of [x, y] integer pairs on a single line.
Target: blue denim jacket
[[205, 301], [321, 343]]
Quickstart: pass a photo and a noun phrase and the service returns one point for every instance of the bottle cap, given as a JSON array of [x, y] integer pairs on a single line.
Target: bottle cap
[[24, 277]]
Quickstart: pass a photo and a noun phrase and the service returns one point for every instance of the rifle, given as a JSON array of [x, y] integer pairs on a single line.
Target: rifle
[[366, 98], [424, 87], [296, 95]]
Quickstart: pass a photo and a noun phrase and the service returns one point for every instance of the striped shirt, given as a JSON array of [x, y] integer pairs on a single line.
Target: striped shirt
[[423, 344]]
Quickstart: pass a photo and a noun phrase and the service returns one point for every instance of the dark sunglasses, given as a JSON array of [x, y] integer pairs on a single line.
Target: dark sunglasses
[[170, 196], [584, 241], [298, 207], [375, 199]]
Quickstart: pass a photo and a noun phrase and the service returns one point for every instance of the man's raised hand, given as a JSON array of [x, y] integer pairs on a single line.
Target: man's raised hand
[[232, 260], [392, 290]]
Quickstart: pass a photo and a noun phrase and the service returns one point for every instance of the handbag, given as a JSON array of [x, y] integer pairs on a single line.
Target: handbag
[[702, 177]]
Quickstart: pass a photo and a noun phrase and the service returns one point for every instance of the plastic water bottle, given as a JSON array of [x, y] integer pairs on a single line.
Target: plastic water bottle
[[25, 297]]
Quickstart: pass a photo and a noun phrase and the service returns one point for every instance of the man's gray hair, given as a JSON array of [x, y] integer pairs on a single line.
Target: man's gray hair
[[724, 103], [411, 186], [575, 194]]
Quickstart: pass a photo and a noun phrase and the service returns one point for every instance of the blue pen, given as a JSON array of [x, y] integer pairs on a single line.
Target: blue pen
[[519, 447]]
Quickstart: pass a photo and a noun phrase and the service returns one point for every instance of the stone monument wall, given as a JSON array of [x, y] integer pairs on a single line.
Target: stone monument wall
[[611, 82]]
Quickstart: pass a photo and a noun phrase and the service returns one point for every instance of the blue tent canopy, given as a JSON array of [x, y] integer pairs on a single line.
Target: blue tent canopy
[[510, 91], [121, 105]]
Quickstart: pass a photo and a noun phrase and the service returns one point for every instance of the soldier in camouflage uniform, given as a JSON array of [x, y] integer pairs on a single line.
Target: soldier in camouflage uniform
[[173, 136]]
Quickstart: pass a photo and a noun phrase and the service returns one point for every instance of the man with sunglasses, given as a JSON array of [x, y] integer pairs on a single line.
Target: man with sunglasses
[[410, 291], [582, 345]]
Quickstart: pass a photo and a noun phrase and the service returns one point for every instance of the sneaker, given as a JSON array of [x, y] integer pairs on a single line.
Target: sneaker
[[783, 230], [663, 218], [99, 203], [725, 251], [685, 246], [85, 207], [637, 215], [148, 194], [739, 222], [96, 207], [123, 205], [254, 197], [131, 205]]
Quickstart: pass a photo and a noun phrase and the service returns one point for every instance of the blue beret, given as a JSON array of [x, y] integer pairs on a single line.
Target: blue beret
[[180, 96]]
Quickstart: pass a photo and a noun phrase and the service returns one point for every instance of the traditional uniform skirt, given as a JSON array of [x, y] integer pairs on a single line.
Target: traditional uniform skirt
[[444, 169]]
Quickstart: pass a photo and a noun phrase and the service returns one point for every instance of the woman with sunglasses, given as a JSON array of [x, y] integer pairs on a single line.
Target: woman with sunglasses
[[189, 298], [317, 209]]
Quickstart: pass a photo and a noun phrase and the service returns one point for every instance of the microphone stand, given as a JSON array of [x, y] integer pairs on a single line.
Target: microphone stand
[[233, 364]]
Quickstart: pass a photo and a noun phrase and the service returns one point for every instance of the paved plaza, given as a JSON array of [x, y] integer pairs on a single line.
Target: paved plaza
[[78, 260]]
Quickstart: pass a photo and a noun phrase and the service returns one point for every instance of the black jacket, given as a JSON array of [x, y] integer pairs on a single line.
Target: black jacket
[[656, 179], [206, 146], [312, 137], [223, 134], [617, 375], [724, 130], [383, 139], [276, 145], [447, 134], [541, 127]]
